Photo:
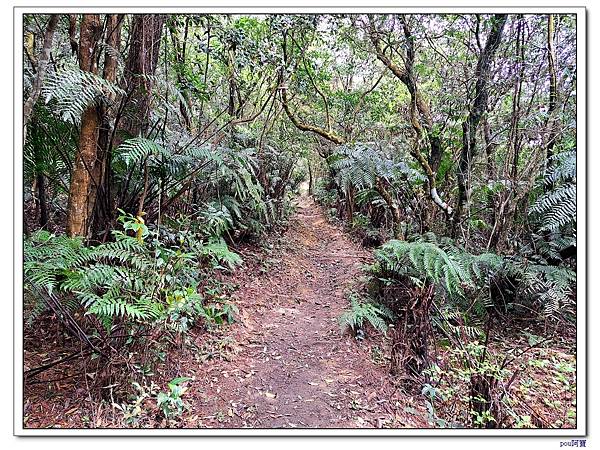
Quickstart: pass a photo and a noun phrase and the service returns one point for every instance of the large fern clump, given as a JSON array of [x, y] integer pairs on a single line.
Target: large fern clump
[[427, 261], [376, 180], [132, 278], [488, 279], [546, 286], [108, 281], [232, 196]]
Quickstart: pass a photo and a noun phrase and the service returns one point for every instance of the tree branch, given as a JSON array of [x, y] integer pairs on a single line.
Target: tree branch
[[41, 70]]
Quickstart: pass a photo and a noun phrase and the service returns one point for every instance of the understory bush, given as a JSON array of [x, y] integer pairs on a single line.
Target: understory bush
[[133, 284], [438, 291]]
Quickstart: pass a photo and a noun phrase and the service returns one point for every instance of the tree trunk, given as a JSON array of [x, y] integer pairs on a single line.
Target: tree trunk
[[311, 181], [101, 210], [146, 32], [478, 109], [85, 158], [142, 60], [41, 188], [552, 120], [73, 33], [389, 200], [420, 114], [42, 66], [185, 104]]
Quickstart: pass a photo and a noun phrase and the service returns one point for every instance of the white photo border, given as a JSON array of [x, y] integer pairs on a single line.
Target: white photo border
[[582, 202]]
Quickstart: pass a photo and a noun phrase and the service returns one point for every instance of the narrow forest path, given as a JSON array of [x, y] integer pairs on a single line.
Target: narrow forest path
[[293, 367]]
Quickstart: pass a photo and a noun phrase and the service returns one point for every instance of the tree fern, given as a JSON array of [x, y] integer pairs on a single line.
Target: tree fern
[[557, 208], [464, 275], [423, 262], [136, 150], [359, 165]]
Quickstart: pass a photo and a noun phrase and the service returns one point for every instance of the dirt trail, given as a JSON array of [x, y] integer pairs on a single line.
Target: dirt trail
[[294, 368]]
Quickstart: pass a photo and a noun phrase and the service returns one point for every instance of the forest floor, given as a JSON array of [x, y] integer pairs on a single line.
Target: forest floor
[[284, 362]]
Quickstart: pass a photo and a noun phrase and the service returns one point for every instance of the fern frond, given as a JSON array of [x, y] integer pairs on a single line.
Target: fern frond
[[72, 90], [361, 312]]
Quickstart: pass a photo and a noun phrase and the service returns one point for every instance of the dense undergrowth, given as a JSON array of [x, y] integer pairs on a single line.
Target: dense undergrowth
[[142, 292], [431, 294]]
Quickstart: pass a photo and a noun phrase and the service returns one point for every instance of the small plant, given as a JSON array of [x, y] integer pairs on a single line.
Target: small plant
[[219, 313], [133, 412], [170, 403], [361, 311], [135, 224], [432, 395], [468, 391], [184, 308], [219, 256]]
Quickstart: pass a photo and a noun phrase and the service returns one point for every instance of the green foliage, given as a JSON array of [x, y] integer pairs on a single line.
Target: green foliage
[[549, 286], [556, 209], [134, 151], [326, 197], [362, 312], [143, 282], [72, 90], [48, 149], [216, 219], [219, 255], [183, 308], [366, 173], [450, 392], [133, 411], [358, 166], [462, 275], [450, 395], [220, 313], [170, 402], [217, 162], [440, 264]]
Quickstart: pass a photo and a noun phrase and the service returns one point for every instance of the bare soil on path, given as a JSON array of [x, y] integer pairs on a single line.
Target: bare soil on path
[[294, 368]]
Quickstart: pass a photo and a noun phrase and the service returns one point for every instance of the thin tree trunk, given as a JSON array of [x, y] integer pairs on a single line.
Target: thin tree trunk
[[489, 149], [73, 33], [477, 110], [85, 158], [389, 200], [42, 66], [418, 108], [41, 188], [515, 135], [185, 104], [509, 199], [310, 177], [552, 103]]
